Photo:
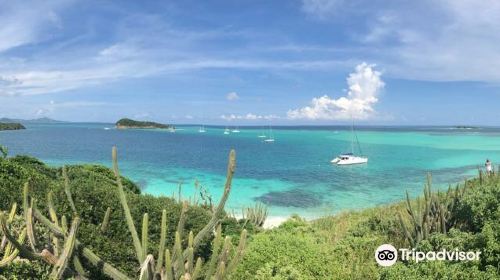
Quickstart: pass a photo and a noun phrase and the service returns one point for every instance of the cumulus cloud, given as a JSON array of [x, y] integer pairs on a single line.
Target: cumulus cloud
[[364, 84], [249, 116], [232, 96]]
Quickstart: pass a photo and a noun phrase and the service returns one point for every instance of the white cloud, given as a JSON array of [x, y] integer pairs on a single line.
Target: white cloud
[[364, 87], [429, 40], [20, 25], [249, 116], [232, 96]]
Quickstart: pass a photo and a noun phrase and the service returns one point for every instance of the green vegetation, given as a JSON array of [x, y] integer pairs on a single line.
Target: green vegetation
[[11, 126], [77, 221], [88, 220], [128, 123]]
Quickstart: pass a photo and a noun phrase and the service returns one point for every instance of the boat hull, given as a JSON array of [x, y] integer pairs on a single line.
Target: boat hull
[[350, 160]]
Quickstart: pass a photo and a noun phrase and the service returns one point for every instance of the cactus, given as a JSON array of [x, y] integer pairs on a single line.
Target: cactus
[[163, 235], [10, 218], [144, 239], [147, 268], [432, 214], [69, 246], [10, 256], [55, 220], [220, 207], [182, 219], [217, 243], [105, 220], [65, 261], [68, 191], [61, 264], [256, 215], [126, 209], [180, 264]]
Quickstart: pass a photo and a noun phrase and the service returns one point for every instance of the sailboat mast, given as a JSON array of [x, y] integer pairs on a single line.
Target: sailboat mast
[[352, 135]]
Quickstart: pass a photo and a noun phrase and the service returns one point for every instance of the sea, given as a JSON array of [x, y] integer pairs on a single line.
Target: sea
[[292, 175]]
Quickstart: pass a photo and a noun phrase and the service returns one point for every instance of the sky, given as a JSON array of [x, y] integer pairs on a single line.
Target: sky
[[392, 62]]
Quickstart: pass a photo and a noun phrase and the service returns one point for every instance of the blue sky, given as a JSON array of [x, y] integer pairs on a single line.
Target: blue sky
[[252, 62]]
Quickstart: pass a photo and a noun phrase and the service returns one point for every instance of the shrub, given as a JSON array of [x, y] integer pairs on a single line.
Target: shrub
[[94, 190], [269, 254], [478, 206]]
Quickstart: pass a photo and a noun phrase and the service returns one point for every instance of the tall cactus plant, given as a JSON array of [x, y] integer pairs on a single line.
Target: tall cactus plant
[[256, 215], [65, 250], [179, 262], [429, 214]]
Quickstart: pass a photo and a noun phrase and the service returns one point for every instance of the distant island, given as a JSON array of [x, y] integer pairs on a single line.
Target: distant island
[[128, 123], [39, 120], [11, 126], [465, 127]]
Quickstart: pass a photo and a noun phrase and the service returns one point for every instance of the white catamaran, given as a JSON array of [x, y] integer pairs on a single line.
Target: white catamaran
[[351, 158]]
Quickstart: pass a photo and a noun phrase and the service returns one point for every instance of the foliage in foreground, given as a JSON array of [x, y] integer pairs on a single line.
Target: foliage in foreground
[[70, 250]]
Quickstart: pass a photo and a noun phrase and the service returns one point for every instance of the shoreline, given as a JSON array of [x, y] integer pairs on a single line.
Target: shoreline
[[274, 221]]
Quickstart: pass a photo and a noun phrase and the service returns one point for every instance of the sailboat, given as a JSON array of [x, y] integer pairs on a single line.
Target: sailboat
[[226, 131], [351, 158], [235, 130], [202, 129], [270, 139]]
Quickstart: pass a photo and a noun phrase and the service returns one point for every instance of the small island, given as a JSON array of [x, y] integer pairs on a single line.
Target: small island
[[465, 127], [11, 126], [128, 123]]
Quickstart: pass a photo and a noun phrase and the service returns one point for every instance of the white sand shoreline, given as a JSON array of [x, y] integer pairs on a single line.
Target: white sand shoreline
[[272, 221]]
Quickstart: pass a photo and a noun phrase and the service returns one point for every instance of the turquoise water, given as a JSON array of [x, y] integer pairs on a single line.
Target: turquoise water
[[292, 175]]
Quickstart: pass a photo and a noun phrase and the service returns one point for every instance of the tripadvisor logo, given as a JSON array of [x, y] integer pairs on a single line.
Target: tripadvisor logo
[[387, 255]]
